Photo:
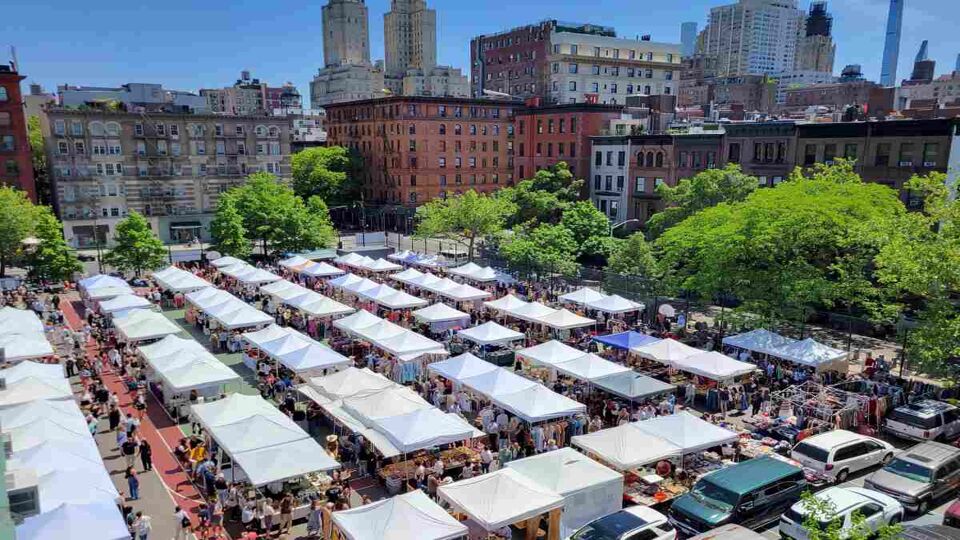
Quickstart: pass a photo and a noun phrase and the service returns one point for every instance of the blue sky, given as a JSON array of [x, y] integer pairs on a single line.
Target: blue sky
[[188, 44]]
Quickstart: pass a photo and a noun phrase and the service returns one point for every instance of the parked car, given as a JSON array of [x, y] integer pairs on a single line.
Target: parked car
[[928, 532], [728, 532], [925, 420], [919, 476], [876, 508], [951, 517], [751, 493], [838, 453], [634, 523]]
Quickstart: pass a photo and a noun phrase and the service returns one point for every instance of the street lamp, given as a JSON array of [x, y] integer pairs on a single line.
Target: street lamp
[[621, 224]]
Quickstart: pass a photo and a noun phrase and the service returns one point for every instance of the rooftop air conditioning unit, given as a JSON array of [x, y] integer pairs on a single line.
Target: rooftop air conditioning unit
[[22, 493], [929, 163], [906, 163]]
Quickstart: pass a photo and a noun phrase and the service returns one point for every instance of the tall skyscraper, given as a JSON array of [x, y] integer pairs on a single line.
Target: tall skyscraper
[[753, 37], [815, 48], [923, 68], [891, 45], [346, 37], [688, 38], [410, 37]]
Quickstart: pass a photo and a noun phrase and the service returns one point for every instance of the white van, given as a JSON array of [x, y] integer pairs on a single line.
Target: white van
[[836, 454], [925, 420], [877, 509]]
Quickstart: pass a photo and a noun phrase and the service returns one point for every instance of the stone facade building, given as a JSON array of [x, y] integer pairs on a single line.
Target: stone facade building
[[172, 168]]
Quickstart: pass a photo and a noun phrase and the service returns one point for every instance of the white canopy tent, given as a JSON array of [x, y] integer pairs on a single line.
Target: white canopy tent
[[391, 298], [466, 269], [564, 319], [284, 290], [760, 340], [239, 314], [714, 365], [614, 304], [425, 428], [440, 285], [626, 447], [505, 303], [335, 409], [538, 403], [178, 280], [352, 324], [491, 333], [320, 269], [409, 346], [689, 433], [317, 305], [465, 293], [33, 388], [261, 440], [103, 287], [550, 353], [100, 520], [373, 407], [17, 347], [205, 299], [75, 486], [255, 276], [498, 382], [184, 365], [440, 313], [632, 385], [532, 311], [461, 367], [124, 303], [28, 413], [590, 367], [299, 353], [19, 321], [814, 354], [70, 432], [350, 259], [52, 455], [500, 498], [350, 382], [407, 275], [487, 274], [582, 296], [406, 516], [265, 334], [142, 325], [666, 351], [590, 490], [28, 369], [382, 265], [295, 262], [425, 280], [358, 287], [345, 280], [226, 261]]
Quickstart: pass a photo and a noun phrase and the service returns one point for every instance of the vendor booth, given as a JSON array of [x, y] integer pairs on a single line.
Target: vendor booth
[[633, 386], [144, 325], [177, 367], [490, 333], [402, 517], [124, 304], [296, 352], [22, 336], [314, 304], [582, 296], [260, 445], [502, 498], [246, 274], [665, 351], [223, 262], [807, 353], [614, 305], [34, 388], [505, 304], [99, 520], [177, 280], [589, 490], [442, 317], [320, 270], [102, 287], [626, 341]]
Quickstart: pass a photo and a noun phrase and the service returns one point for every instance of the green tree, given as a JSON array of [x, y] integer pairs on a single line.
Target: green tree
[[633, 257], [464, 218], [544, 249], [590, 229], [137, 247], [807, 243], [821, 522], [323, 225], [276, 218], [38, 156], [705, 189], [327, 172], [51, 259], [229, 235], [543, 198], [16, 224]]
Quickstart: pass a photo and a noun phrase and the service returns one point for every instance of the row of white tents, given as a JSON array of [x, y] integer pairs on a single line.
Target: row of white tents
[[262, 442], [443, 286], [362, 262], [52, 446], [102, 287], [309, 268], [535, 312], [806, 352], [22, 335], [593, 299], [179, 281], [306, 300], [248, 274], [394, 339], [709, 364], [182, 364], [296, 351], [522, 397], [227, 310], [379, 293], [394, 418]]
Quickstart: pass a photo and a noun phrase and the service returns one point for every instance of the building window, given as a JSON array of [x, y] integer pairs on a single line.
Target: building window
[[829, 153], [684, 158], [79, 148], [906, 154], [457, 129], [883, 155], [640, 184], [711, 159], [596, 182], [620, 184], [572, 86], [3, 94], [809, 154], [161, 130], [733, 153], [443, 129], [659, 159], [850, 151], [621, 158], [11, 167], [7, 144], [930, 153]]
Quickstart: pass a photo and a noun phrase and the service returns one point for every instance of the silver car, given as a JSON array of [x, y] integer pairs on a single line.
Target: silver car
[[919, 476]]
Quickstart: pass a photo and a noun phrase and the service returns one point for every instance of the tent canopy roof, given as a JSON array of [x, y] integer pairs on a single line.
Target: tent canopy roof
[[551, 353], [666, 351], [411, 515], [626, 447], [565, 471], [632, 385], [500, 498], [686, 431], [614, 304], [626, 340], [320, 269], [582, 296], [539, 403], [505, 303], [489, 333], [461, 367], [144, 324], [440, 313], [714, 365]]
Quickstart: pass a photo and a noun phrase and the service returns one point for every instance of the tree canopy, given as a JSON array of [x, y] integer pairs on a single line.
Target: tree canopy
[[544, 249], [705, 189], [809, 242], [51, 258], [327, 172], [16, 224], [590, 228], [464, 218], [137, 247], [229, 235], [633, 257], [543, 198], [276, 218]]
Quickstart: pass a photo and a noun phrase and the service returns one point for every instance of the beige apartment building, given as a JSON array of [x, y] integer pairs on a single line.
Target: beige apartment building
[[169, 167]]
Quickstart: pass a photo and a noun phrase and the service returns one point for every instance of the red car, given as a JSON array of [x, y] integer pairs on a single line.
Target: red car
[[951, 517]]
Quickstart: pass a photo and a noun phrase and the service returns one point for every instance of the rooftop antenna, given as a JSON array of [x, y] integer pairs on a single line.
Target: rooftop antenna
[[13, 56]]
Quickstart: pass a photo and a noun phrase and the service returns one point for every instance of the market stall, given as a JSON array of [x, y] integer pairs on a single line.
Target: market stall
[[666, 351], [102, 287], [564, 319], [626, 341], [464, 293], [320, 270], [407, 275], [530, 311], [713, 366], [582, 296], [614, 304], [144, 325], [21, 339], [505, 304], [246, 274], [226, 261], [407, 350], [589, 490], [442, 317], [122, 305], [34, 388], [177, 280], [294, 263], [260, 445], [296, 352], [633, 386], [283, 290], [490, 333], [177, 367], [402, 517], [461, 367], [382, 265], [91, 521], [502, 498], [314, 304], [815, 355], [390, 298]]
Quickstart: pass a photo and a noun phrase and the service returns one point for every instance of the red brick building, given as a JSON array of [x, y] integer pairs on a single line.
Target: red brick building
[[418, 148], [16, 167], [512, 62], [548, 135]]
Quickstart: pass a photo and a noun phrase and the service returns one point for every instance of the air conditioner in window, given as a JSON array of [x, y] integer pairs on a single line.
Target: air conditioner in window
[[929, 163], [7, 444], [905, 163], [22, 493]]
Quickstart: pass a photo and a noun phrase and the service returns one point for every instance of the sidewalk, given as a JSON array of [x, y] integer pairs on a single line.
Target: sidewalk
[[167, 485]]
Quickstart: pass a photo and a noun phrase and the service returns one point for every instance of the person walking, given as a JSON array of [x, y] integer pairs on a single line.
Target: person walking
[[129, 451], [142, 526], [133, 483], [286, 513], [182, 523], [314, 519], [146, 455]]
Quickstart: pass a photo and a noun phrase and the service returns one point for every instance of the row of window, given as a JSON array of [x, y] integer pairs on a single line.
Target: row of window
[[96, 129], [906, 154], [413, 110], [176, 169], [613, 71], [560, 125], [411, 129], [197, 148], [606, 183], [610, 52], [458, 162], [612, 88], [563, 149]]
